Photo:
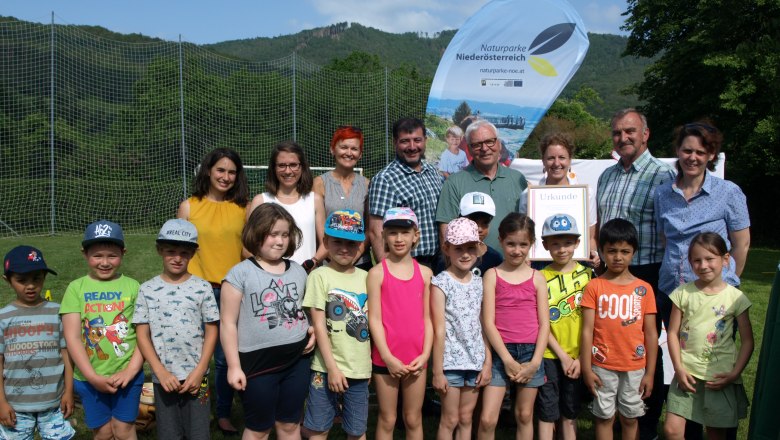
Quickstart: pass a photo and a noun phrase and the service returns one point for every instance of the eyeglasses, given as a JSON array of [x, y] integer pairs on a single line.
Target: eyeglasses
[[489, 143], [291, 166]]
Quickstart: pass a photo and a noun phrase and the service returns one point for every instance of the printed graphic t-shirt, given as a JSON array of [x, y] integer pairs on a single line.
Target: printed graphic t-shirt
[[564, 293], [106, 310], [30, 341], [707, 327], [175, 314], [618, 328], [343, 298]]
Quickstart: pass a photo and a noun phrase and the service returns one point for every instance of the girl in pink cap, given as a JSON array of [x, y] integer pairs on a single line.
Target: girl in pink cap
[[399, 319], [461, 363]]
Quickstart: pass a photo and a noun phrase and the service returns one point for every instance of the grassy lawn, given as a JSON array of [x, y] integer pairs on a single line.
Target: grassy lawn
[[62, 253]]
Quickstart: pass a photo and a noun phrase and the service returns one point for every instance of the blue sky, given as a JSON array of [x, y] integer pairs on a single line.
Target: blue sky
[[212, 21]]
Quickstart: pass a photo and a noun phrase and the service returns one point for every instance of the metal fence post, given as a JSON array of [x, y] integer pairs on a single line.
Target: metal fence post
[[181, 113], [387, 120], [295, 122], [51, 130]]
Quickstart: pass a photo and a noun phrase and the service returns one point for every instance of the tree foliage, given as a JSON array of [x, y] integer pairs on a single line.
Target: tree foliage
[[718, 59], [461, 113]]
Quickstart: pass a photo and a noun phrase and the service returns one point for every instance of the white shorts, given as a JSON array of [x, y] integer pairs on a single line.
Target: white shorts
[[621, 388]]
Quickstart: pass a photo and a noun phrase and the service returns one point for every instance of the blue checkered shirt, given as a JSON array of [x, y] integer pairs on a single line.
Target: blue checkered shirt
[[398, 185], [629, 195]]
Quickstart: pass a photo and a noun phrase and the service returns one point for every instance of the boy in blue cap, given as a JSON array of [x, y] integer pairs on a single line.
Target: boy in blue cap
[[336, 298], [36, 377], [97, 310]]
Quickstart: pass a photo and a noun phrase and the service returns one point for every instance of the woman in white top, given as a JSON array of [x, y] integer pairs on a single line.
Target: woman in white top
[[289, 183], [557, 151]]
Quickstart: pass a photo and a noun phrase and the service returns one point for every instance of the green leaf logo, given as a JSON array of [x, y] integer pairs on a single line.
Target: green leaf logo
[[542, 66], [552, 38]]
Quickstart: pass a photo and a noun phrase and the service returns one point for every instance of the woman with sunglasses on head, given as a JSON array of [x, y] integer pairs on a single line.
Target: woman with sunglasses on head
[[343, 188], [289, 183]]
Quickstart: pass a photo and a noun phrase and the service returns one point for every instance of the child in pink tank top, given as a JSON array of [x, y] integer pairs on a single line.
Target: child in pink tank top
[[400, 323], [516, 321]]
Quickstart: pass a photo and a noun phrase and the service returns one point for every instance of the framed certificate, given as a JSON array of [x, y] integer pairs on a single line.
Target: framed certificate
[[546, 201]]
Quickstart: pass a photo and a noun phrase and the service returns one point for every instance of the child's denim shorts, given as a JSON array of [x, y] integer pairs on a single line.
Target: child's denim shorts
[[322, 405], [521, 353]]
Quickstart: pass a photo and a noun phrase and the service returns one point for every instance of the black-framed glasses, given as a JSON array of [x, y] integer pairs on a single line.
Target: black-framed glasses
[[489, 143], [291, 166]]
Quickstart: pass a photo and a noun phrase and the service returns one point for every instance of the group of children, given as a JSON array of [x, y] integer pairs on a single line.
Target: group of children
[[305, 348]]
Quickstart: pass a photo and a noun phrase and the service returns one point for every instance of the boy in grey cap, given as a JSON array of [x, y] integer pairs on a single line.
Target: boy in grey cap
[[176, 320]]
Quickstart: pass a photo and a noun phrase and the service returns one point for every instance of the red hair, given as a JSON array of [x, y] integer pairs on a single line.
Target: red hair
[[347, 132]]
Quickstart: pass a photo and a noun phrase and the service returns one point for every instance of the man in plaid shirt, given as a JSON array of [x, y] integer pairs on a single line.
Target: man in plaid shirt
[[626, 191], [407, 181]]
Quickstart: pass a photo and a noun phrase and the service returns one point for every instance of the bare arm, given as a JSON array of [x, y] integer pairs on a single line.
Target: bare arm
[[7, 413], [319, 225], [651, 350], [375, 236], [685, 381], [195, 377], [168, 381], [740, 244], [337, 382], [591, 380], [184, 210], [71, 327], [442, 233], [230, 304], [256, 201], [439, 331], [67, 402], [418, 364]]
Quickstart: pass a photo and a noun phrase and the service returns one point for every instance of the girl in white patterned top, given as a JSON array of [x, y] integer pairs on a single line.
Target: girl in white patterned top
[[461, 360]]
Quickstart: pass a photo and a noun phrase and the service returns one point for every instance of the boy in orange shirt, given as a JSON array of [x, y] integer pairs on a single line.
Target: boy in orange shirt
[[619, 340]]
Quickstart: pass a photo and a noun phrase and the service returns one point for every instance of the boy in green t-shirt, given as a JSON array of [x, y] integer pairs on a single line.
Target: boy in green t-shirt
[[336, 298], [97, 310], [558, 400]]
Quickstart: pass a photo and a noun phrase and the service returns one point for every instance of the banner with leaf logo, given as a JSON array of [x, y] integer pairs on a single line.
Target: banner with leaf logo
[[507, 64]]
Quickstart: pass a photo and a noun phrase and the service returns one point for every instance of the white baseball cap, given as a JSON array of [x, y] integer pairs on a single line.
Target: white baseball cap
[[477, 202]]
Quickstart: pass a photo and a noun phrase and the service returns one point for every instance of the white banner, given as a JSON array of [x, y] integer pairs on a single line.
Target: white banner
[[508, 63]]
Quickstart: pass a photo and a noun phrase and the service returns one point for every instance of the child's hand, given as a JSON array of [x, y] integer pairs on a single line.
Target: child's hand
[[440, 383], [337, 382], [67, 404], [7, 415], [721, 380], [592, 381], [685, 381], [168, 381], [571, 368], [312, 341], [396, 368], [484, 376], [594, 259], [527, 372], [192, 382], [104, 384], [512, 369], [417, 366], [646, 386], [122, 378], [236, 378]]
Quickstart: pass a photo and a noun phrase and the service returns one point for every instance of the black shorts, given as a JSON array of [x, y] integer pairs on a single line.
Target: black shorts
[[559, 396]]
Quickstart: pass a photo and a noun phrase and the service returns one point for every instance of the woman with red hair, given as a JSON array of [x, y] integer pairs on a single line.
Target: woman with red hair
[[343, 188]]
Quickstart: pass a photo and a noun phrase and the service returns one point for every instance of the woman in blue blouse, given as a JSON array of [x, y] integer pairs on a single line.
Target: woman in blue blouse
[[698, 201]]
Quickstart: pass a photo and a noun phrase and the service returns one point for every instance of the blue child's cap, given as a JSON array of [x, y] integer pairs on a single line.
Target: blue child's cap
[[103, 231], [559, 224], [346, 224], [24, 259]]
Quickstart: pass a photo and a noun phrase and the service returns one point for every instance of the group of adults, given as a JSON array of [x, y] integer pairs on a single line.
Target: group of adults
[[668, 208]]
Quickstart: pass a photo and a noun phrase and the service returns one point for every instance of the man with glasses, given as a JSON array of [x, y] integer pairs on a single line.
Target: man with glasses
[[504, 185], [408, 181]]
